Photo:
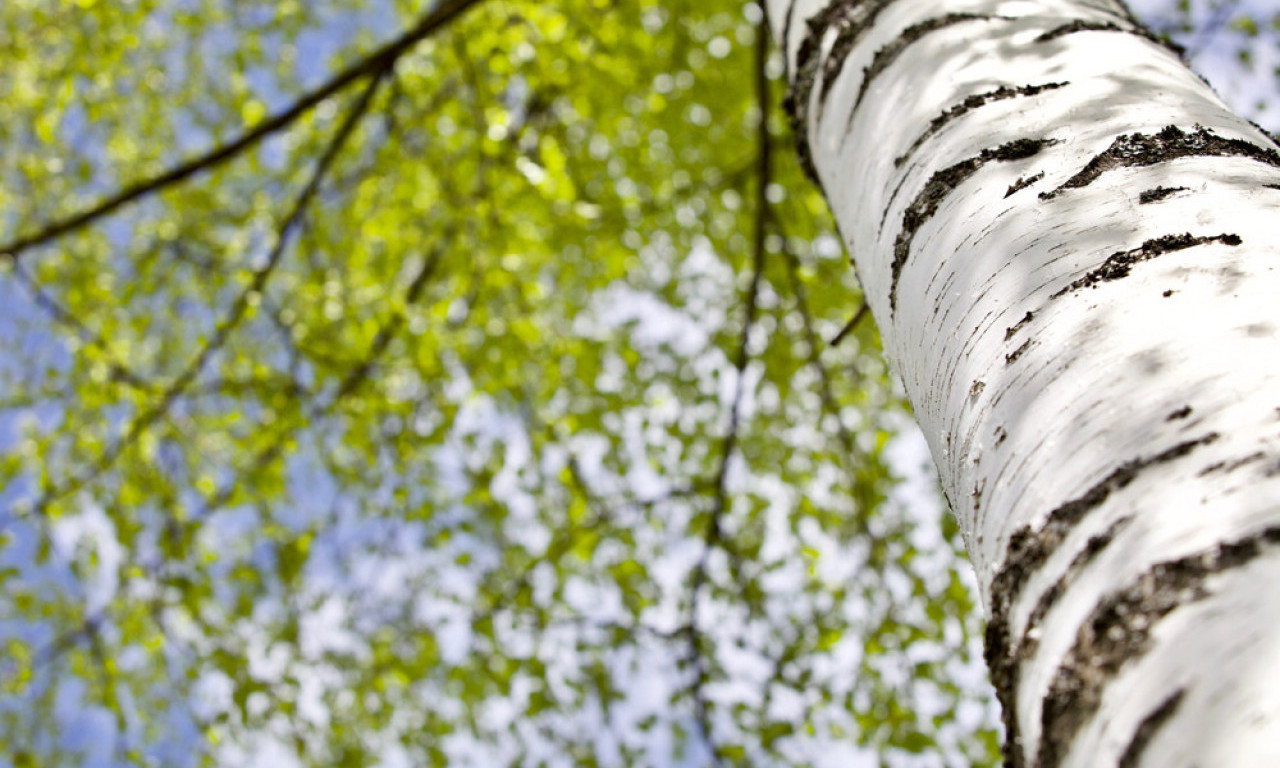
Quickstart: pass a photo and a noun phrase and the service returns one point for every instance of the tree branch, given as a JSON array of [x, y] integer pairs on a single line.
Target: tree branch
[[714, 535], [378, 62], [239, 309]]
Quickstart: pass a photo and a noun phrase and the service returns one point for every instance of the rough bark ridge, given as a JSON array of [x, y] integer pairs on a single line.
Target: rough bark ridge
[[1066, 239]]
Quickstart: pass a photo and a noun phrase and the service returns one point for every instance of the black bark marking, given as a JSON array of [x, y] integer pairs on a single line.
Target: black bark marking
[[1167, 293], [1081, 25], [1013, 356], [969, 104], [1265, 132], [1094, 547], [1157, 194], [862, 15], [1140, 149], [1027, 553], [786, 40], [890, 52], [1272, 186], [801, 90], [1148, 728], [1116, 7], [1181, 413], [1119, 264], [938, 188], [1119, 631], [850, 18], [1023, 183], [1029, 644], [1012, 330], [1232, 466]]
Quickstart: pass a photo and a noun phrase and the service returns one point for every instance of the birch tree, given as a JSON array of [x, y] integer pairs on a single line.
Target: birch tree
[[1068, 243], [447, 382]]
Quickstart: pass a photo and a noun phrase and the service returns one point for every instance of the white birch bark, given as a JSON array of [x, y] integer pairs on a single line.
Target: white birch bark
[[1072, 250]]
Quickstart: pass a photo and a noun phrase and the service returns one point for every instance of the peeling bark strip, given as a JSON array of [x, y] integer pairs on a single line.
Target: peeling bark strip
[[850, 18], [1119, 264], [1028, 552], [1157, 194], [937, 189], [1119, 631], [1138, 149], [890, 52], [1147, 731], [969, 104]]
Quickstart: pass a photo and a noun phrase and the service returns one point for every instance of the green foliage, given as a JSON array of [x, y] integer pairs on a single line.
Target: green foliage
[[473, 417]]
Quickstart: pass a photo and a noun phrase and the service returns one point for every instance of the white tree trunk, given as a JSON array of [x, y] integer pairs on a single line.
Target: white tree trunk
[[1072, 251]]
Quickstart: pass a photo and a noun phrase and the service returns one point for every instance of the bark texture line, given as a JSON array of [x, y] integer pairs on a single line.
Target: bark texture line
[[1067, 241]]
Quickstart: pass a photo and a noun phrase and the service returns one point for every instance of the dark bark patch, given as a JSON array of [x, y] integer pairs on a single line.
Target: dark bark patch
[[1167, 293], [1030, 643], [938, 188], [1012, 330], [1147, 730], [1028, 552], [1272, 186], [1119, 264], [1119, 631], [1094, 547], [1013, 356], [1265, 132], [890, 52], [1179, 414], [1231, 466], [968, 105], [1157, 194], [1002, 434], [860, 16], [786, 40], [1140, 149], [808, 62], [1081, 25], [1023, 183]]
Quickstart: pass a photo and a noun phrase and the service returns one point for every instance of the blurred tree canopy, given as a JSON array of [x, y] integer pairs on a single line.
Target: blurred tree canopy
[[395, 383]]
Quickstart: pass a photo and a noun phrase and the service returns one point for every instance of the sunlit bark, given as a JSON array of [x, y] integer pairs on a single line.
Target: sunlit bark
[[1070, 247]]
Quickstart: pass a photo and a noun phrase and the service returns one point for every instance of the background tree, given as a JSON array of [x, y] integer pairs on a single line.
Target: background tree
[[459, 399]]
